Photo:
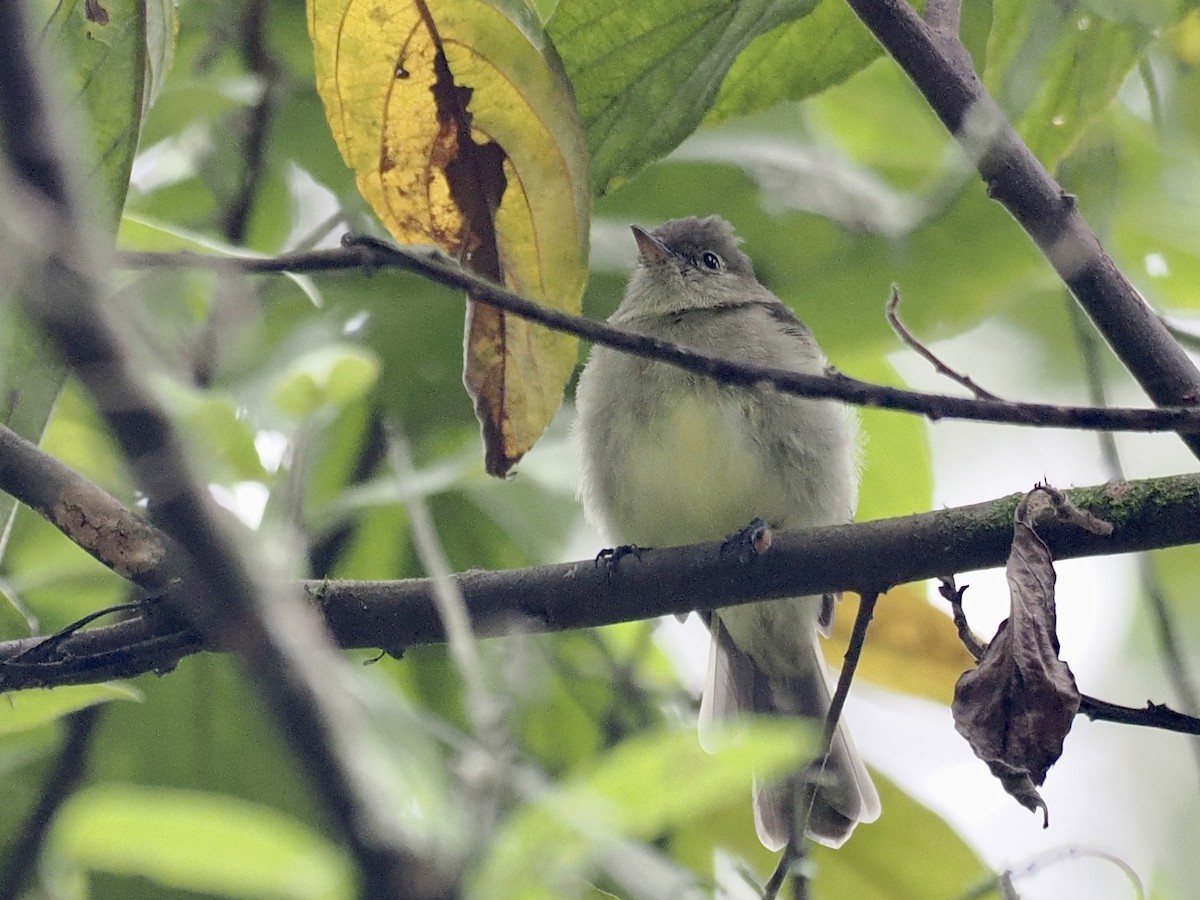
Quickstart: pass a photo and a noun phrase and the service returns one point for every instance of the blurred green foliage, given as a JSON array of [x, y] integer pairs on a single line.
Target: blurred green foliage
[[279, 385]]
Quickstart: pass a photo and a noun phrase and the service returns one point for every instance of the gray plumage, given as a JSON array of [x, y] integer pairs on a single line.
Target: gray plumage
[[671, 458]]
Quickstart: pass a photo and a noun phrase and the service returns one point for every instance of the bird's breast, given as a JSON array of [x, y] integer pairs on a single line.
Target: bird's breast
[[694, 473]]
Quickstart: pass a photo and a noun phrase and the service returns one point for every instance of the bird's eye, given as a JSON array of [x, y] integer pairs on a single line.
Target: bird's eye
[[711, 261]]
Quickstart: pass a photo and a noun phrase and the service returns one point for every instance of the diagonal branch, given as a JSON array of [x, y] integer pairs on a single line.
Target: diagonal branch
[[280, 642], [939, 66]]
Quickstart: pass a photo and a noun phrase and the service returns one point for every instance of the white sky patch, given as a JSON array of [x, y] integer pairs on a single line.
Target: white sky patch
[[247, 500], [170, 161], [356, 323], [315, 209], [272, 446], [1156, 265]]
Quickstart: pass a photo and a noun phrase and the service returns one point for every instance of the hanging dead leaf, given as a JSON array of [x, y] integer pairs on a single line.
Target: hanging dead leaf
[[460, 126], [1016, 708]]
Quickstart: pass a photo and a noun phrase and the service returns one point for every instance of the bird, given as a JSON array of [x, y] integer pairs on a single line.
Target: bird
[[671, 457]]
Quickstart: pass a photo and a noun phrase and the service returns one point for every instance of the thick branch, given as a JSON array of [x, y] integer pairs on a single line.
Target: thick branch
[[834, 386], [95, 520], [940, 68], [1150, 514]]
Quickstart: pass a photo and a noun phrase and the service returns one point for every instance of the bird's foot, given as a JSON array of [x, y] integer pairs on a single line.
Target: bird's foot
[[611, 556], [751, 541]]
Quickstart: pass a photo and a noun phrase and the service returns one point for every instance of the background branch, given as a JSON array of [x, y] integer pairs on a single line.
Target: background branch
[[280, 643], [1173, 659], [87, 514], [66, 775], [255, 120]]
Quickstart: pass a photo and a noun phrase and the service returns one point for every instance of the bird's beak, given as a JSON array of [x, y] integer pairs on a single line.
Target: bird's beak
[[651, 248]]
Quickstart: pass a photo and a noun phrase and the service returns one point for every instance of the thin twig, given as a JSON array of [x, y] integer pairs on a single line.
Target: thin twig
[[1178, 672], [256, 121], [954, 594], [854, 649], [485, 710], [1152, 715], [791, 857], [1004, 882], [793, 854], [368, 253], [892, 311]]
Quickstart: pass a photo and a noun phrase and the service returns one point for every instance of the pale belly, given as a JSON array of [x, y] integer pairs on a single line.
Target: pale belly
[[698, 476]]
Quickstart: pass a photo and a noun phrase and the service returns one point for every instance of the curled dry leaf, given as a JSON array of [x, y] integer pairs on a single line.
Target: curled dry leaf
[[1017, 706], [459, 123]]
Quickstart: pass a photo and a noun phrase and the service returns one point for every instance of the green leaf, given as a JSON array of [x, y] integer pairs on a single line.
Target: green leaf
[[56, 579], [910, 853], [797, 60], [31, 377], [898, 857], [78, 438], [897, 473], [104, 49], [634, 791], [30, 709], [334, 375], [100, 51], [1057, 68], [15, 620], [139, 232], [646, 73], [221, 436], [199, 842], [1081, 79]]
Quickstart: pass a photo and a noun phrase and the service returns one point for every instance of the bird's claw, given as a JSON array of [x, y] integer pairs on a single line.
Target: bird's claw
[[610, 556], [751, 541]]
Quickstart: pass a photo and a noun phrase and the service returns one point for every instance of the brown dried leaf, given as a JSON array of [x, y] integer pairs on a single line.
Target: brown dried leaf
[[1017, 706]]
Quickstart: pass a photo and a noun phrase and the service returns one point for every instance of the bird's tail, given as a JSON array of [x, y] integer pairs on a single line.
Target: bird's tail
[[844, 794]]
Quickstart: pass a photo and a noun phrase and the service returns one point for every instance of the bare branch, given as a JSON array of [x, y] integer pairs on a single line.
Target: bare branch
[[864, 557], [95, 520], [1152, 715], [1048, 214], [364, 253], [794, 852], [892, 311], [255, 121]]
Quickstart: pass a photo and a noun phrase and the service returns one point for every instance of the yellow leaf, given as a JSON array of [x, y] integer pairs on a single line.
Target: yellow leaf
[[912, 647], [459, 123]]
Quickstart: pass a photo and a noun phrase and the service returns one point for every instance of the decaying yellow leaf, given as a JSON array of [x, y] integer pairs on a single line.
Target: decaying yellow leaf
[[460, 126], [912, 647]]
